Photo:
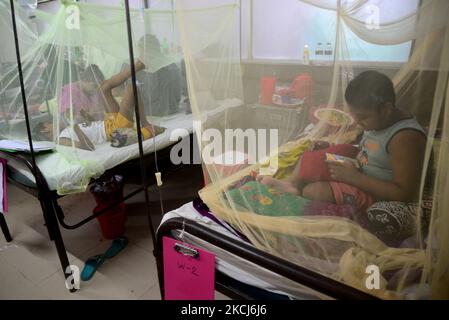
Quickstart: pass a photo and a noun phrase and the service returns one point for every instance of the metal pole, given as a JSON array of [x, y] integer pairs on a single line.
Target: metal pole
[[3, 94], [22, 86], [251, 29], [50, 218], [240, 30], [137, 113]]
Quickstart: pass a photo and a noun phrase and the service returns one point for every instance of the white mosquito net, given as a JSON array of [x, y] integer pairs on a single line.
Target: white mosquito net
[[78, 85], [264, 157]]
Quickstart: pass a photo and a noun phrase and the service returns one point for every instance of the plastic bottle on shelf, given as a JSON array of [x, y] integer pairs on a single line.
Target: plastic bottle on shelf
[[319, 50], [306, 55], [329, 51], [267, 89]]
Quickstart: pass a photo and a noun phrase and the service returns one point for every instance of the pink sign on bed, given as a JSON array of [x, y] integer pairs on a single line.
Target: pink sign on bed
[[189, 272]]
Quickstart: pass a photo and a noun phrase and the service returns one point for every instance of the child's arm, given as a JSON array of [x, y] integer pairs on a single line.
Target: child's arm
[[406, 151], [126, 73], [119, 78], [83, 139], [69, 142], [82, 143], [86, 116]]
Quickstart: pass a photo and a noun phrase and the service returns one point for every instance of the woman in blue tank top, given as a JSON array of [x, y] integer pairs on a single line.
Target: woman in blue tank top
[[391, 156], [392, 148]]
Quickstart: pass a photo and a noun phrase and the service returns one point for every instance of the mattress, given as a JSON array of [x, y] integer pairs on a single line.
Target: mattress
[[68, 168], [234, 266]]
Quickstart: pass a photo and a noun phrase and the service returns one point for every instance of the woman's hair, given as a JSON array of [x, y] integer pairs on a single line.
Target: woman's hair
[[92, 73], [150, 44], [371, 90], [38, 132]]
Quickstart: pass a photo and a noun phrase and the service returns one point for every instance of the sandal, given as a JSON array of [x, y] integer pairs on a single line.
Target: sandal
[[117, 246], [91, 266], [93, 263]]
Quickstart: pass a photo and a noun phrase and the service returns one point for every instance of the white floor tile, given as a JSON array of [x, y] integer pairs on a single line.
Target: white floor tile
[[15, 286], [151, 294], [30, 267]]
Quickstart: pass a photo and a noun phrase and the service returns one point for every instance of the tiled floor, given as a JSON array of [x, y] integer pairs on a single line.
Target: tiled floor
[[30, 268]]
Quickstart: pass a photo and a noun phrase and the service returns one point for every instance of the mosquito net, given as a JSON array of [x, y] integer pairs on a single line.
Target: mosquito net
[[374, 90], [78, 85]]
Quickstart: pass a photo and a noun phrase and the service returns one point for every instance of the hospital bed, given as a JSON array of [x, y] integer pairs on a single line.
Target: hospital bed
[[242, 270], [52, 169], [58, 171]]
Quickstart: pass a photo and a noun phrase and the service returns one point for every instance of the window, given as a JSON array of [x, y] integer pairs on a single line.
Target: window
[[281, 29]]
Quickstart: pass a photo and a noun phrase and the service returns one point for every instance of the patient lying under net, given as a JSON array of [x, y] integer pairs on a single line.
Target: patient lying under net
[[390, 158], [160, 82], [117, 126]]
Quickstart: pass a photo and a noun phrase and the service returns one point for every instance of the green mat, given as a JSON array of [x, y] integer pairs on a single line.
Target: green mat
[[267, 201]]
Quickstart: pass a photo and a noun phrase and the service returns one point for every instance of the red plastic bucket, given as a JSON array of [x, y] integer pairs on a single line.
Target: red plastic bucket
[[112, 222], [267, 88]]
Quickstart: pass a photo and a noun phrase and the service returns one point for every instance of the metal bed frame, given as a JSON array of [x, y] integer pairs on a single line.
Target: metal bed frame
[[52, 212]]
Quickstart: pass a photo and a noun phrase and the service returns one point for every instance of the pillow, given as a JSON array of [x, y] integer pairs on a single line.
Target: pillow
[[393, 221], [313, 165], [319, 208]]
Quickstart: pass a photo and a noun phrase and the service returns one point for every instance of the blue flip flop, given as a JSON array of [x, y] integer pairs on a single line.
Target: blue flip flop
[[93, 263], [117, 245], [90, 267]]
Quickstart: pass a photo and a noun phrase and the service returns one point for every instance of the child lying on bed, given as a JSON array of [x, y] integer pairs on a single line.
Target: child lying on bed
[[391, 155], [117, 125], [83, 96]]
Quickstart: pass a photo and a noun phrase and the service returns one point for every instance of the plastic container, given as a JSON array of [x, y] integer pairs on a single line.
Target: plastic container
[[319, 50], [112, 223], [286, 99], [306, 55], [302, 87], [329, 50], [267, 89], [106, 192]]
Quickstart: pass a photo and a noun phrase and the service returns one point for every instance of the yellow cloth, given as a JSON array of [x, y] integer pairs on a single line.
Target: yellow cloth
[[147, 134], [289, 158], [292, 152], [114, 121]]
